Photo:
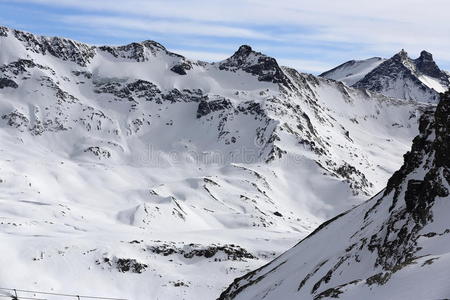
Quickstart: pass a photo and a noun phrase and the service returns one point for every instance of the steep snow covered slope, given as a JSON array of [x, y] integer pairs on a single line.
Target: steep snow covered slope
[[394, 246], [132, 171], [353, 71], [399, 77]]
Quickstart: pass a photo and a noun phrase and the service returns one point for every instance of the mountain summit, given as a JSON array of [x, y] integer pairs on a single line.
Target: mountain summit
[[255, 63], [427, 66], [399, 77], [376, 250]]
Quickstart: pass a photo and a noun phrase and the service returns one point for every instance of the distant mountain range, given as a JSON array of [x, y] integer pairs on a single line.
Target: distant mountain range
[[399, 77]]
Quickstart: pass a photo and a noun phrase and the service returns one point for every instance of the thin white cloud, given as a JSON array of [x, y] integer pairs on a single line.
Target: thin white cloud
[[170, 27], [379, 27], [304, 65], [202, 55], [269, 12]]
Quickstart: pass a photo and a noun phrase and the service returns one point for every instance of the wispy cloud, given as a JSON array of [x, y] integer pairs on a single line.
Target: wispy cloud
[[169, 27], [202, 55], [307, 66], [317, 34]]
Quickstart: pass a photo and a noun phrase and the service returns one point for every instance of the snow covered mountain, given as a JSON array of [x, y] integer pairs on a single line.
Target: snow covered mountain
[[394, 246], [399, 77], [354, 70], [136, 170]]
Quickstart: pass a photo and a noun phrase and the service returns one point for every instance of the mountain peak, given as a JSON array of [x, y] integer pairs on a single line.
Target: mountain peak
[[426, 55], [256, 63], [427, 66], [246, 55], [244, 50], [402, 77], [153, 44], [402, 55]]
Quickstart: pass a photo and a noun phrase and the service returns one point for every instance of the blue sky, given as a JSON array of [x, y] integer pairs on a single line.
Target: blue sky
[[311, 36]]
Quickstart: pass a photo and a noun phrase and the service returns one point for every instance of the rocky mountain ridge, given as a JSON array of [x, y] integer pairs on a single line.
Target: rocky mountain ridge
[[399, 77]]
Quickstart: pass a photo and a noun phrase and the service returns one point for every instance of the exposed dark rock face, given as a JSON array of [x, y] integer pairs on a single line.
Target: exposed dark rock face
[[64, 49], [426, 65], [125, 265], [206, 107], [266, 68], [3, 31], [139, 89], [147, 91], [139, 52], [99, 152], [185, 95], [356, 179], [85, 74], [16, 119], [82, 54], [181, 68], [223, 252], [433, 153], [20, 67], [5, 82]]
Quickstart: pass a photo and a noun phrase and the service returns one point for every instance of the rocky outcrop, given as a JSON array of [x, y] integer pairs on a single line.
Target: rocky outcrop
[[264, 67], [426, 65], [182, 68], [139, 52], [99, 152], [123, 265], [206, 107], [16, 119], [216, 252], [3, 31], [5, 82], [64, 49]]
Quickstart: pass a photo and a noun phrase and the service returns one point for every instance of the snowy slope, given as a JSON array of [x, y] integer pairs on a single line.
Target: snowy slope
[[353, 71], [394, 246], [399, 77], [137, 171]]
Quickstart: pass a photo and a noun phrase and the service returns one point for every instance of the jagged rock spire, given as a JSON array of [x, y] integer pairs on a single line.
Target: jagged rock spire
[[427, 66], [402, 55]]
